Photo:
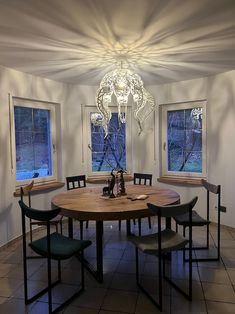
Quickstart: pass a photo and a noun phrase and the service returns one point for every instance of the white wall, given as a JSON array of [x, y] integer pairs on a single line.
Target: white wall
[[220, 94], [218, 90], [27, 86]]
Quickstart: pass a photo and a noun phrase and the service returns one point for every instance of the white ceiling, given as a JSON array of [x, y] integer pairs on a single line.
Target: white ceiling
[[78, 41]]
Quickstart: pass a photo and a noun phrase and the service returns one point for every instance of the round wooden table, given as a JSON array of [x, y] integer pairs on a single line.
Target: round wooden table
[[89, 204]]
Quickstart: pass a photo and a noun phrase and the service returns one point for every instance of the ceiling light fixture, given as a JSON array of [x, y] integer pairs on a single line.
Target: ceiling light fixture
[[120, 83]]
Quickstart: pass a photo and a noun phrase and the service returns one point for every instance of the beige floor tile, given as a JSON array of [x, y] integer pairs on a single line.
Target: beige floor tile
[[80, 310], [125, 282], [231, 274], [109, 312], [219, 292], [180, 305], [119, 293], [214, 275], [196, 288], [3, 300], [14, 306], [92, 297], [8, 286], [145, 306], [220, 308], [120, 301]]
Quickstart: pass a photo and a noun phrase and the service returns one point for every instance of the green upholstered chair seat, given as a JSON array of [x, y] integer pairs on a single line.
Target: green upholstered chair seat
[[149, 243], [197, 220], [61, 247]]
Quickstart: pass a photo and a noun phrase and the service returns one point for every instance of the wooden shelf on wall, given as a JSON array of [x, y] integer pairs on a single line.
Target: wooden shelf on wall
[[37, 188]]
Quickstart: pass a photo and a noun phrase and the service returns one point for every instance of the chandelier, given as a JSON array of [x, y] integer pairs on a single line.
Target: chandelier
[[119, 84]]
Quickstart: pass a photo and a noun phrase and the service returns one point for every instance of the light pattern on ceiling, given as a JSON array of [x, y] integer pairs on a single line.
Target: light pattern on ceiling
[[78, 41]]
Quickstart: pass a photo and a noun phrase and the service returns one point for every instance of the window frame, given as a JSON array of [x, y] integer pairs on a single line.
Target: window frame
[[36, 104], [164, 109], [88, 111]]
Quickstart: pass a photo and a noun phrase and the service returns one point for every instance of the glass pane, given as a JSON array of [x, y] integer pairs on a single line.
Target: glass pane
[[184, 136], [33, 143], [110, 152], [23, 118]]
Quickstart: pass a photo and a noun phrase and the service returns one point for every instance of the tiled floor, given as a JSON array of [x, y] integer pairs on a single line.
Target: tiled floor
[[213, 282]]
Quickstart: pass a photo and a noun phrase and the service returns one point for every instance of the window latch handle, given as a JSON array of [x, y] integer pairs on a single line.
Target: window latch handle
[[164, 146]]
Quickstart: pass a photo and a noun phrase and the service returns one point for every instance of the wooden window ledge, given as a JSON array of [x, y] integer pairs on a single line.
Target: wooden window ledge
[[103, 179], [180, 180], [37, 188]]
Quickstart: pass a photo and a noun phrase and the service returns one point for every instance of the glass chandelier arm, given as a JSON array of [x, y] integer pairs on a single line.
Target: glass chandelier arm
[[144, 109], [103, 108]]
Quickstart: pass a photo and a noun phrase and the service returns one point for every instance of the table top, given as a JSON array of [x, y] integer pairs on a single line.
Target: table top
[[88, 204]]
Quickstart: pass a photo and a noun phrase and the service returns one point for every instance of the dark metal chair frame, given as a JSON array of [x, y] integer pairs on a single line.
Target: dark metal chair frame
[[26, 191], [162, 252], [198, 221], [76, 182], [139, 179], [48, 252], [146, 179]]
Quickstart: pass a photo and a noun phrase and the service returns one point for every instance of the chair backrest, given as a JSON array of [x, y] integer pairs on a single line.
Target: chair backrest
[[26, 190], [76, 182], [143, 178], [172, 210], [36, 214], [214, 189]]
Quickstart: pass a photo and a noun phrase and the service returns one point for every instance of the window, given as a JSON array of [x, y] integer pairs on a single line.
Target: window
[[35, 150], [110, 152], [184, 139]]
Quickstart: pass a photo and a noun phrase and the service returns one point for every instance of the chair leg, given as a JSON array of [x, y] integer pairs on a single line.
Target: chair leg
[[81, 229], [61, 226], [49, 284], [87, 223], [206, 247], [149, 221], [160, 281], [207, 236], [25, 270], [159, 303], [139, 226], [184, 255], [59, 270], [137, 265], [218, 240], [31, 232], [82, 271], [119, 225]]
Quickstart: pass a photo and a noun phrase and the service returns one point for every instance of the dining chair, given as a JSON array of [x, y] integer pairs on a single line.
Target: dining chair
[[52, 246], [162, 243], [56, 221], [77, 182], [198, 221], [141, 179]]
